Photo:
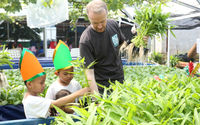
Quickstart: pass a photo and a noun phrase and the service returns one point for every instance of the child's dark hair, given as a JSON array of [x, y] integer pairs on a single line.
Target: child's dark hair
[[62, 93], [59, 94]]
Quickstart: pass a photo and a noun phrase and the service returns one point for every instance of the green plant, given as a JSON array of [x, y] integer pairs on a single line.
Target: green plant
[[173, 61], [151, 21], [4, 57], [80, 71], [157, 57], [13, 94], [141, 100], [173, 100]]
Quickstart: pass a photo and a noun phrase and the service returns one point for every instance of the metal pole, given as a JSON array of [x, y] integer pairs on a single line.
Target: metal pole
[[76, 35], [8, 32], [168, 53], [45, 42], [154, 44], [198, 47], [76, 40]]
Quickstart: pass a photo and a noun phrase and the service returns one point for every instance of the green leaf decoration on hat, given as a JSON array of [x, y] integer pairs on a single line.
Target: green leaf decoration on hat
[[61, 56]]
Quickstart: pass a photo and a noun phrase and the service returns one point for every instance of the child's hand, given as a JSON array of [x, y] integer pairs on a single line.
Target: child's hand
[[85, 91]]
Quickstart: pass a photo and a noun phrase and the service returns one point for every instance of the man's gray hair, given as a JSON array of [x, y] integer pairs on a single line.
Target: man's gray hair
[[96, 6]]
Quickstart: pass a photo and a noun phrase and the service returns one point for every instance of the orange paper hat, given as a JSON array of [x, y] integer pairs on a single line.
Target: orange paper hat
[[30, 67]]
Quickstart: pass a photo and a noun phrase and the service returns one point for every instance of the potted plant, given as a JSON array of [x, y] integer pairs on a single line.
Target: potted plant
[[157, 58]]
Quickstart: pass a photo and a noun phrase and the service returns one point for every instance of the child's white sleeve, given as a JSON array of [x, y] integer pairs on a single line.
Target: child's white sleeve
[[36, 107], [49, 94]]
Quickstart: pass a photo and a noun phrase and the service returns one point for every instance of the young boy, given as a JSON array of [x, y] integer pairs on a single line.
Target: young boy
[[64, 70], [34, 78], [65, 108]]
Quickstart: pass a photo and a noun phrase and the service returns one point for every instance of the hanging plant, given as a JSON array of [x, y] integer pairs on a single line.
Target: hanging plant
[[151, 21]]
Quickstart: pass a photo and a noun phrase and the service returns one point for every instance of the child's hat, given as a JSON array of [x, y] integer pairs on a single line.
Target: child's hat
[[30, 67], [61, 56]]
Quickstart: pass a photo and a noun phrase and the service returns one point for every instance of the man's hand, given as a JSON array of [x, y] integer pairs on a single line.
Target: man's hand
[[123, 46], [145, 38], [91, 80]]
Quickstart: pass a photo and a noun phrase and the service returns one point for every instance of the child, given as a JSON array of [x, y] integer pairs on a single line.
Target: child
[[65, 108], [64, 70], [34, 78]]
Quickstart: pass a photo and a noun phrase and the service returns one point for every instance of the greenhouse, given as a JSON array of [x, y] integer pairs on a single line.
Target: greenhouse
[[100, 62]]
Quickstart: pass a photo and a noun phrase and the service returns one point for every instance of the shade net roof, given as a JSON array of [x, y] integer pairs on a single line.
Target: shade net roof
[[185, 14]]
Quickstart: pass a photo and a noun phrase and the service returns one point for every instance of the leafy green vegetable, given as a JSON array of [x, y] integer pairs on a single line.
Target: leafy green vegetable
[[143, 100], [140, 100], [151, 21], [4, 57]]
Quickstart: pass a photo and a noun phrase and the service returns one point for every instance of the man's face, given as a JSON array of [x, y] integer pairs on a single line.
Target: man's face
[[98, 20]]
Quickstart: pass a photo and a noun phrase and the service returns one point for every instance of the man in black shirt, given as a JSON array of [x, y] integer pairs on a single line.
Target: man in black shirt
[[100, 42]]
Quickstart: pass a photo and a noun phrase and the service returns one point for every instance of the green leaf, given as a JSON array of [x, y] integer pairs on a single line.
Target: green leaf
[[196, 117], [92, 118]]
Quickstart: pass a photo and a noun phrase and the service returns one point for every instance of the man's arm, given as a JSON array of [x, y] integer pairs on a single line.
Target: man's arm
[[86, 52], [91, 80]]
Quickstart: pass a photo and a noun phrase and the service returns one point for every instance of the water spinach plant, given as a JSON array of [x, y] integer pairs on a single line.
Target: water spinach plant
[[151, 21], [141, 100]]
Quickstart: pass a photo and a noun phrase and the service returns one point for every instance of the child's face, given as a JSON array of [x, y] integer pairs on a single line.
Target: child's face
[[37, 85], [66, 75]]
